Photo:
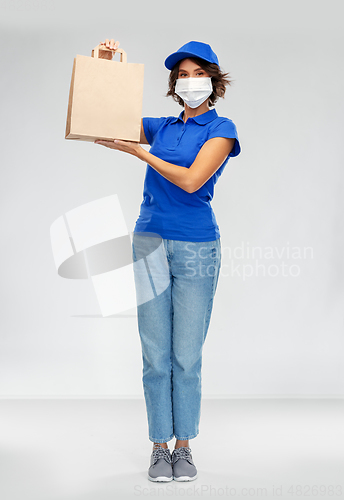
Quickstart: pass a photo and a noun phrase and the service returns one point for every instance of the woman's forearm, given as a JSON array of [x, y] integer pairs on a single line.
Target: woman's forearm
[[174, 173], [180, 176]]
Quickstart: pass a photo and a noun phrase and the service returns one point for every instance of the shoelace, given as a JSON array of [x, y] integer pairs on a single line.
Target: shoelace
[[160, 452], [182, 452]]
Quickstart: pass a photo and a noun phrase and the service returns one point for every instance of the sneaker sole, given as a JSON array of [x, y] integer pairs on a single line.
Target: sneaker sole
[[185, 478], [163, 479]]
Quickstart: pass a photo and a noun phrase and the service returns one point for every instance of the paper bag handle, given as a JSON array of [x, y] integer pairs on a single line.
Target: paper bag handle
[[95, 53]]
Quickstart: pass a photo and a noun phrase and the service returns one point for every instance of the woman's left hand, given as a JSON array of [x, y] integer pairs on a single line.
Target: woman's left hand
[[132, 148]]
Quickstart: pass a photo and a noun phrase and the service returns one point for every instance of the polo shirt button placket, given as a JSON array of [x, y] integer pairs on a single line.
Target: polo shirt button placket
[[181, 135]]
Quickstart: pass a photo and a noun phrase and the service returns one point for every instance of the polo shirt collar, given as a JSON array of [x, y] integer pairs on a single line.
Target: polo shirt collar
[[202, 119]]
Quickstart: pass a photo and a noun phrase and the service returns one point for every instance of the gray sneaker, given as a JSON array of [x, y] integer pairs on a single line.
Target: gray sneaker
[[183, 467], [160, 465]]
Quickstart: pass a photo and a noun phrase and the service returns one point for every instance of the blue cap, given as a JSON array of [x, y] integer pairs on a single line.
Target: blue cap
[[192, 49]]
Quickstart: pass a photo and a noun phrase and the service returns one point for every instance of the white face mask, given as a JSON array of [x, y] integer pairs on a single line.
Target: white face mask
[[194, 91]]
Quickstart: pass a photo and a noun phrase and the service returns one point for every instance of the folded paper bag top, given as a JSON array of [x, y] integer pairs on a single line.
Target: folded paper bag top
[[105, 98]]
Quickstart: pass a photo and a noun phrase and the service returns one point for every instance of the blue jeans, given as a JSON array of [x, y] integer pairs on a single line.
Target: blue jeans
[[175, 287]]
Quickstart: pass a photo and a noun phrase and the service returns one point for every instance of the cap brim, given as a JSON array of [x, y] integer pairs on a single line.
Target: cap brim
[[178, 56]]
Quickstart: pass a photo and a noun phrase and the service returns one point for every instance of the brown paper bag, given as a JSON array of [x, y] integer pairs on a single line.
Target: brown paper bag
[[105, 98]]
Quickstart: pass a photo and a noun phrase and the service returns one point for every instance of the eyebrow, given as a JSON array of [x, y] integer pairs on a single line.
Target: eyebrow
[[196, 69]]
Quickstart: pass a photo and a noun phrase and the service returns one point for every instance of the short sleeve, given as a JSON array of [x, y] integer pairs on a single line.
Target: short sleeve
[[226, 128], [151, 126]]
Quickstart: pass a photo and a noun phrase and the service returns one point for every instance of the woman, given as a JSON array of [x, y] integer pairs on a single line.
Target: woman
[[187, 155]]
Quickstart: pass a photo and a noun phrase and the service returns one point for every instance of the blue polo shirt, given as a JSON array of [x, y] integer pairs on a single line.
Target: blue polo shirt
[[167, 209]]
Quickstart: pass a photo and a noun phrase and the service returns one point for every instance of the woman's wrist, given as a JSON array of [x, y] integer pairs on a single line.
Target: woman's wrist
[[142, 154]]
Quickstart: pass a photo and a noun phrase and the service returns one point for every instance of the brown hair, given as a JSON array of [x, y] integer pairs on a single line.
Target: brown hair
[[218, 78]]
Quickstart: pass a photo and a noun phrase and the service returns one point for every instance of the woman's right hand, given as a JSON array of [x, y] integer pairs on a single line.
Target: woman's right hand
[[109, 44]]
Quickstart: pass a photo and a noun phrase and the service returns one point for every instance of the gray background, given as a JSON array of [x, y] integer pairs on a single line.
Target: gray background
[[269, 336]]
